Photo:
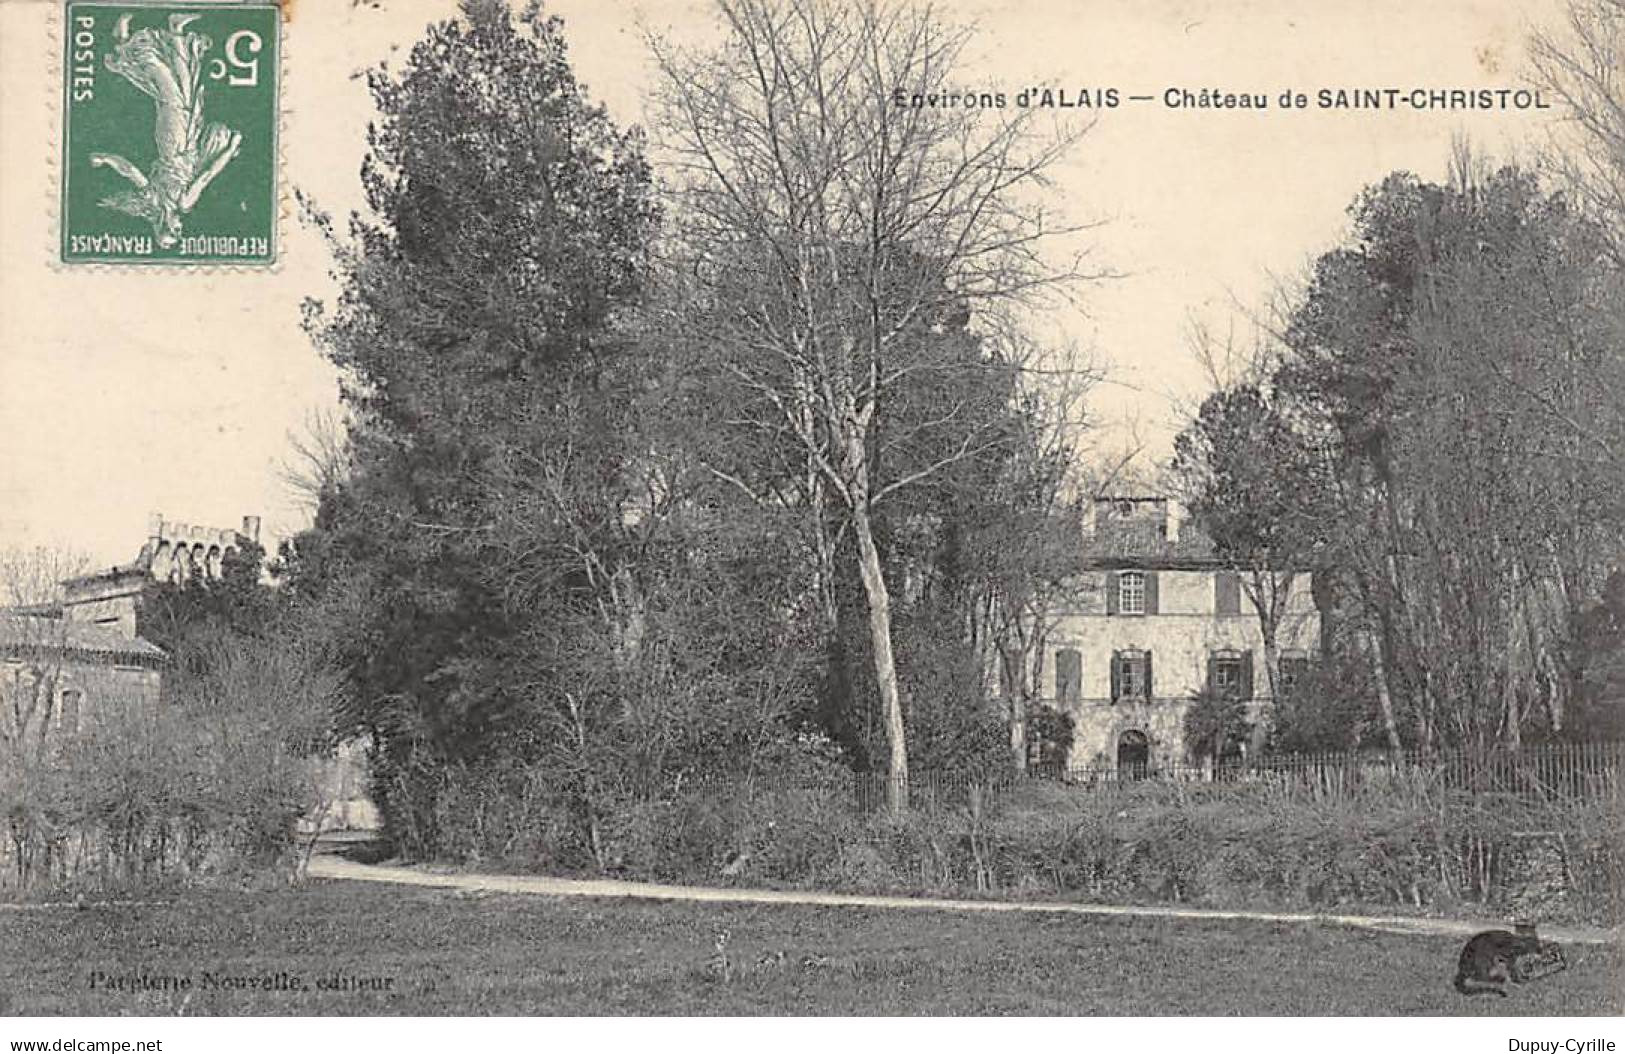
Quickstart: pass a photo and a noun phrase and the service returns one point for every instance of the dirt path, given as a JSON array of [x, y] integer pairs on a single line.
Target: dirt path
[[334, 867]]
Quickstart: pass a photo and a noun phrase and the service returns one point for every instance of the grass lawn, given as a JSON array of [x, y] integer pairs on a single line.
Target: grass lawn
[[454, 953]]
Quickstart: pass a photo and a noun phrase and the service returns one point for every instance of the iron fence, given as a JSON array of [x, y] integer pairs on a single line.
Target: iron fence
[[1587, 771]]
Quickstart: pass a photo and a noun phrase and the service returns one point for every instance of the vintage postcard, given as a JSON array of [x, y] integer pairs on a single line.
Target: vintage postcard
[[912, 510]]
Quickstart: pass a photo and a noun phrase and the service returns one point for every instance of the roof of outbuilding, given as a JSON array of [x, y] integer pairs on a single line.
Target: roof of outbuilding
[[140, 567], [30, 633]]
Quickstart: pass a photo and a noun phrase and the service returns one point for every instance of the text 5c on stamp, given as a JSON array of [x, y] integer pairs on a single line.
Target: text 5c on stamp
[[169, 139]]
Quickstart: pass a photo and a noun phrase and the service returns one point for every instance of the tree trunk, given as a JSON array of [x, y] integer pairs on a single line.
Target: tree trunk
[[1018, 730], [1271, 604], [824, 552], [1012, 659], [1379, 669], [1272, 663], [1518, 667], [874, 588]]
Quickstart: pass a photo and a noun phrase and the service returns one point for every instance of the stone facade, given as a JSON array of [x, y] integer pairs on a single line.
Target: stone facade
[[59, 677], [173, 552], [65, 666], [176, 551], [1155, 618]]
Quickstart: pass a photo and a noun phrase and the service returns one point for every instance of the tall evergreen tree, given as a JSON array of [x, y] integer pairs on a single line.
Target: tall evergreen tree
[[478, 330]]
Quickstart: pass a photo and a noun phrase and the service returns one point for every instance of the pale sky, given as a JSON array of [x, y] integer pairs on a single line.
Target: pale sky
[[124, 393]]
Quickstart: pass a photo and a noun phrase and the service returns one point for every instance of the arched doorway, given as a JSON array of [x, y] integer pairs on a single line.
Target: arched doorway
[[1133, 755]]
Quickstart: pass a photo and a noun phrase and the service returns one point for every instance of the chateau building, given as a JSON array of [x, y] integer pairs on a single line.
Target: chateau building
[[173, 552], [1158, 618], [58, 675], [66, 666], [63, 665]]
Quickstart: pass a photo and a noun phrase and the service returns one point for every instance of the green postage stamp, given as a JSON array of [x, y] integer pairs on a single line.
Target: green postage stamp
[[169, 133]]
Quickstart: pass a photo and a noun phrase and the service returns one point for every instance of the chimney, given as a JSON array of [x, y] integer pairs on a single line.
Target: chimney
[[1175, 516], [251, 528]]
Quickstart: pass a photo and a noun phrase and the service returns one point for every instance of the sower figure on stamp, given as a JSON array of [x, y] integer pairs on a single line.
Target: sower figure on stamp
[[168, 67]]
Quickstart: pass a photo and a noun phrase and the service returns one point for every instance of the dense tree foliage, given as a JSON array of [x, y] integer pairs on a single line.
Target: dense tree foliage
[[1437, 426], [572, 551], [1215, 726], [1248, 479], [493, 472], [559, 557], [188, 619], [832, 250]]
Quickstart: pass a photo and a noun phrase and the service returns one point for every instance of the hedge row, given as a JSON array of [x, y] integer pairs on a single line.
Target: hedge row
[[1209, 845]]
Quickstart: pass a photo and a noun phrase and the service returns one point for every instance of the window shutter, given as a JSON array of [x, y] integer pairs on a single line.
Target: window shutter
[[1227, 586], [1247, 675], [1111, 600], [1150, 692], [1212, 675], [1068, 674], [1117, 675], [1150, 592]]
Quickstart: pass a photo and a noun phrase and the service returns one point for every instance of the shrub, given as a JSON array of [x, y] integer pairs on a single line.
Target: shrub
[[1050, 734], [207, 786], [1408, 844]]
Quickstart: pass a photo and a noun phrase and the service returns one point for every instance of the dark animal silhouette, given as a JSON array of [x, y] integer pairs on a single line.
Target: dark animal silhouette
[[1494, 958]]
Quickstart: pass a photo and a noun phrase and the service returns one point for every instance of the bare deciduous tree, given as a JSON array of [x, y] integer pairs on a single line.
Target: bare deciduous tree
[[321, 459], [30, 577], [1462, 418], [1583, 64], [830, 231], [34, 636]]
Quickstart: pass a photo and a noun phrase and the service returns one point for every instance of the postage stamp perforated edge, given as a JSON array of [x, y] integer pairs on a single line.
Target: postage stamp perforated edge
[[56, 103]]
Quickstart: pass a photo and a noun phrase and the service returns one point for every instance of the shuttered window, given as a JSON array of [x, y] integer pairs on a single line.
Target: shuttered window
[[1068, 676], [1230, 674], [1131, 593], [1131, 675]]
